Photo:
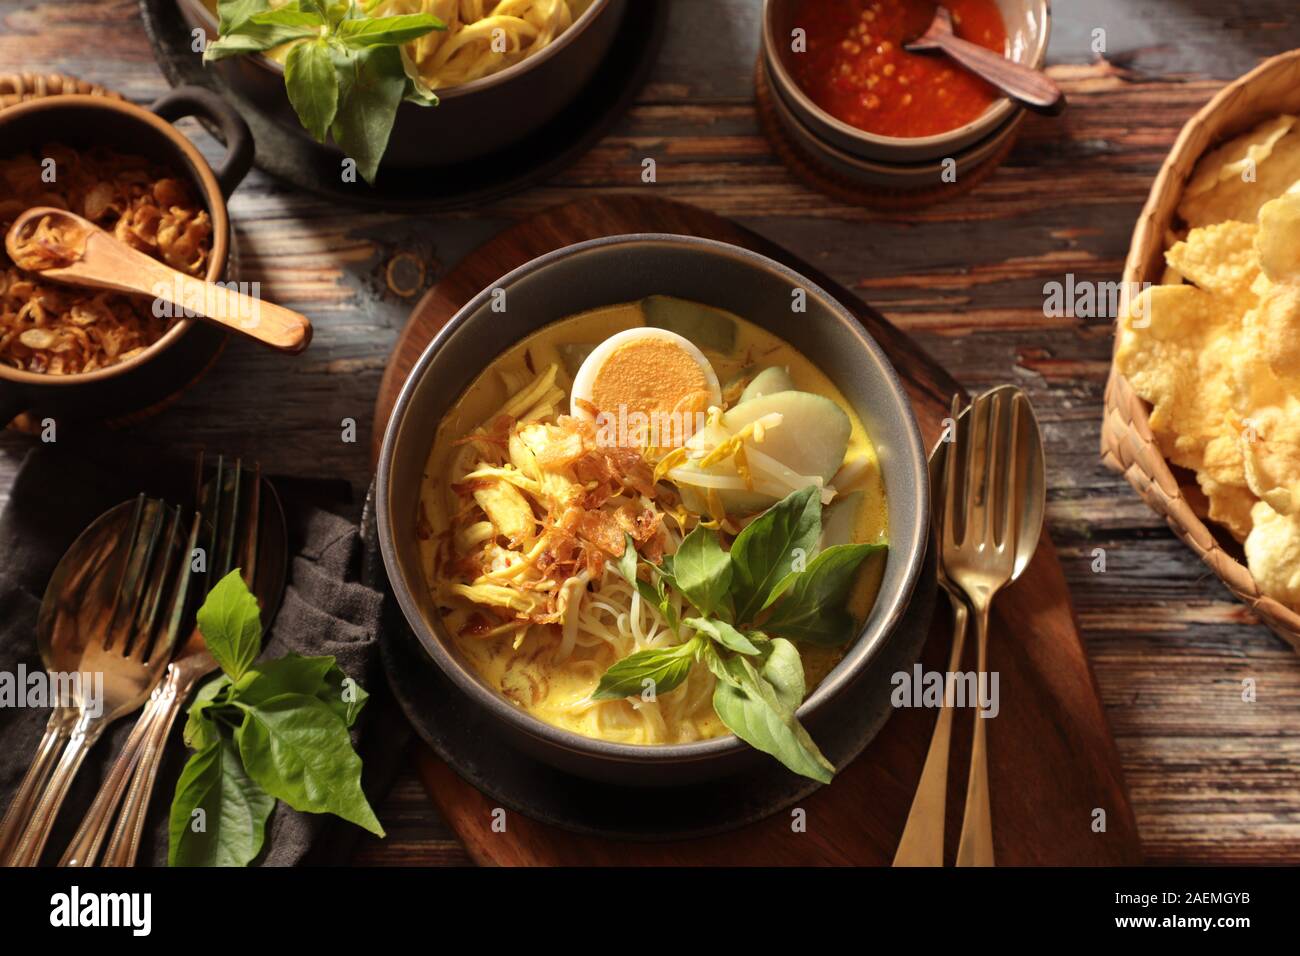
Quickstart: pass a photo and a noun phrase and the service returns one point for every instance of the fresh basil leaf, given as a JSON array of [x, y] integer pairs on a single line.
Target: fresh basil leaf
[[708, 655], [627, 563], [766, 550], [664, 667], [665, 569], [753, 710], [370, 91], [231, 13], [387, 31], [291, 674], [417, 90], [231, 624], [318, 677], [783, 669], [724, 634], [200, 731], [262, 32], [702, 570], [648, 593], [342, 10], [231, 828], [664, 581], [316, 8], [313, 86], [297, 749], [343, 695], [812, 608]]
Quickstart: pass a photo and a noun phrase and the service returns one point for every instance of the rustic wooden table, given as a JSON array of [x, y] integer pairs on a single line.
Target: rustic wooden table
[[1214, 779]]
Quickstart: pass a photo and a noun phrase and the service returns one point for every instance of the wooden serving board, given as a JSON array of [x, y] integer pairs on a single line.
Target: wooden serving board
[[1053, 766]]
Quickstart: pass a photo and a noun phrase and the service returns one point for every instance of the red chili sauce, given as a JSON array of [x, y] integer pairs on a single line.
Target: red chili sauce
[[856, 69]]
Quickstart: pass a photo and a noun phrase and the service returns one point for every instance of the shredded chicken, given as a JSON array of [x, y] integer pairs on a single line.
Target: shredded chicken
[[542, 506]]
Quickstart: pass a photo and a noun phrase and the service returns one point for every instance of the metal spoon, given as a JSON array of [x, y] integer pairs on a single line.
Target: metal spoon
[[922, 840], [1032, 88], [94, 258], [86, 574]]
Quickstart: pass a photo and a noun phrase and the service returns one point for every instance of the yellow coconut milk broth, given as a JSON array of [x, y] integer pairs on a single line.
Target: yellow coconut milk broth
[[554, 691]]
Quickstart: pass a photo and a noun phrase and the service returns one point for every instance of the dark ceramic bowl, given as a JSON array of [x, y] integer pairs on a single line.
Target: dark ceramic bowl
[[86, 121], [620, 269], [470, 121]]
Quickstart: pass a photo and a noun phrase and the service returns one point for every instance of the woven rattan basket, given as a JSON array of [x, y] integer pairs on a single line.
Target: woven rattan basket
[[1127, 444], [18, 87]]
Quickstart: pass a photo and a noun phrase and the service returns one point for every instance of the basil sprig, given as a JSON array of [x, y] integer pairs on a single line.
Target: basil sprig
[[345, 75], [277, 730], [771, 588]]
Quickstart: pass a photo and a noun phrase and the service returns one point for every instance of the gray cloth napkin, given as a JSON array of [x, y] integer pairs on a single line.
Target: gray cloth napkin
[[324, 611]]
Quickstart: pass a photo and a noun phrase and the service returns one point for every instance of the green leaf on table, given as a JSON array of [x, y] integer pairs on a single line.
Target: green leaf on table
[[754, 711], [313, 86], [370, 90], [264, 31], [812, 609], [218, 815], [297, 748], [343, 695], [724, 634], [231, 624], [200, 731], [770, 547], [231, 13], [665, 668], [318, 677], [291, 674], [386, 31], [702, 570]]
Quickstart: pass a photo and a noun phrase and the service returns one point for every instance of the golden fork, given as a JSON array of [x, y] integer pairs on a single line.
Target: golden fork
[[922, 840]]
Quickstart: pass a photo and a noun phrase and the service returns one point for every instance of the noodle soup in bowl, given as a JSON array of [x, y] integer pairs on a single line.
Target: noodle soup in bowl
[[596, 526], [475, 116]]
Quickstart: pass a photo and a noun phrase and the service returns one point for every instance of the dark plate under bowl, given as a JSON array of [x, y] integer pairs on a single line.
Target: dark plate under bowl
[[602, 272]]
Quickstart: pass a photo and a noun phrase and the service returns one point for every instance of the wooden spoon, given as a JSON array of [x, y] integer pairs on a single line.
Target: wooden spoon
[[1033, 88], [98, 260]]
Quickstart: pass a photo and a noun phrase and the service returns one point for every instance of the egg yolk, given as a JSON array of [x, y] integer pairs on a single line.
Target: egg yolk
[[650, 376]]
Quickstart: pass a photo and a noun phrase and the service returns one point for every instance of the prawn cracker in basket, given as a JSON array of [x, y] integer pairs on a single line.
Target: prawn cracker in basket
[[1216, 349]]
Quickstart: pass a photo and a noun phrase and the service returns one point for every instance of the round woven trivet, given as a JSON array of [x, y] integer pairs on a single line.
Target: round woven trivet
[[19, 87], [815, 174], [1127, 444]]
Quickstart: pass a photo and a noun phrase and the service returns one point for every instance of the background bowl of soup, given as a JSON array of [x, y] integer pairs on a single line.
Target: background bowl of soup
[[840, 70], [594, 275], [472, 119]]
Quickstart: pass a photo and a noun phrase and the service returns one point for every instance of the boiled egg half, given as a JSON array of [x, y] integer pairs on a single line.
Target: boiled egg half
[[645, 372]]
